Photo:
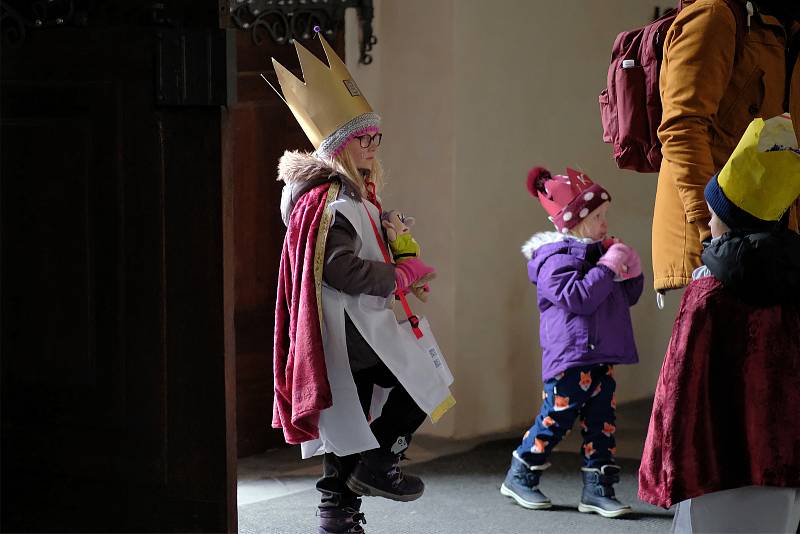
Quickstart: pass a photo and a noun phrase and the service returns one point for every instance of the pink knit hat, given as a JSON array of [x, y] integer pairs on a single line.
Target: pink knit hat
[[567, 199]]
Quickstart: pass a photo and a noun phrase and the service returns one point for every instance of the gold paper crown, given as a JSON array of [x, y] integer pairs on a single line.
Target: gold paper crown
[[327, 100]]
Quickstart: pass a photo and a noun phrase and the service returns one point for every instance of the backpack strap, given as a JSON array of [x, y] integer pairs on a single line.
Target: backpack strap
[[742, 11]]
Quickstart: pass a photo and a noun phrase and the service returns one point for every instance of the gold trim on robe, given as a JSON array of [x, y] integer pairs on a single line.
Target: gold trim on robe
[[319, 247]]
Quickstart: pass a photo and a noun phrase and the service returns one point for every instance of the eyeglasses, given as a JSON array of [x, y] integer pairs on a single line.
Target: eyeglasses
[[367, 140]]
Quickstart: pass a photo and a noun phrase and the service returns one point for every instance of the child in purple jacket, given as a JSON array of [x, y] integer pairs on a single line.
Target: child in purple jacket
[[586, 284]]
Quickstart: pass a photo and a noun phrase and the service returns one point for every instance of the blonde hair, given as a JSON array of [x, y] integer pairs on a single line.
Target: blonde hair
[[345, 164], [578, 229]]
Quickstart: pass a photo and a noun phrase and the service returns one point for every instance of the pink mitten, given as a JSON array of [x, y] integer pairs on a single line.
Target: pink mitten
[[634, 264], [615, 259], [412, 271], [610, 241]]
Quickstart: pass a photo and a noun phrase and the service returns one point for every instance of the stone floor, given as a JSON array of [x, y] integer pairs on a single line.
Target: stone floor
[[280, 472], [276, 489]]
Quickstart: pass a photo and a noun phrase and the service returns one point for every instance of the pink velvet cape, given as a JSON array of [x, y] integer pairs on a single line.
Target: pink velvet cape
[[302, 390], [727, 404]]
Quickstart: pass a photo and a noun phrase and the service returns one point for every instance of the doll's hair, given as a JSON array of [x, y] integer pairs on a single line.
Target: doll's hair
[[345, 164]]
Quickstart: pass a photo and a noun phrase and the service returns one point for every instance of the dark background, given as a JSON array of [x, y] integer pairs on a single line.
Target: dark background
[[140, 240]]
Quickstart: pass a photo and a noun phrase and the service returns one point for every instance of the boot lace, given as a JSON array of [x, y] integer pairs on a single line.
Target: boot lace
[[356, 528], [359, 518], [395, 474]]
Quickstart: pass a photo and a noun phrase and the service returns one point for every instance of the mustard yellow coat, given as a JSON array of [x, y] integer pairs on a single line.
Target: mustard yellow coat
[[708, 101]]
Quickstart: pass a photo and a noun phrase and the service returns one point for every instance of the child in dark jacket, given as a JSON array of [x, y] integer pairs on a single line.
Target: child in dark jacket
[[723, 436], [585, 285]]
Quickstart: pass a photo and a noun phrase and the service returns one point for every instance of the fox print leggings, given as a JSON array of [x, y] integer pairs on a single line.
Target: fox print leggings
[[581, 392]]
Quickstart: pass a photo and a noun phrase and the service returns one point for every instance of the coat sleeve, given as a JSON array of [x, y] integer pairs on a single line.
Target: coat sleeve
[[633, 288], [562, 282], [698, 61], [345, 271]]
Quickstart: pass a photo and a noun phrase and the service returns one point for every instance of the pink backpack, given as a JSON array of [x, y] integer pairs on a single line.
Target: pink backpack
[[630, 105]]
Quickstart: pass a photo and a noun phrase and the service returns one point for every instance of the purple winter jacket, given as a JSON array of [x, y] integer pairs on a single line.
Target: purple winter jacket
[[584, 314]]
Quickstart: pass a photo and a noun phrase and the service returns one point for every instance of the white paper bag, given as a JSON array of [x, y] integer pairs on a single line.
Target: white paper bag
[[429, 345]]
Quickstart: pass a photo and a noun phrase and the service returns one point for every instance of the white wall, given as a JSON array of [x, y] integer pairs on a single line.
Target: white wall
[[473, 94]]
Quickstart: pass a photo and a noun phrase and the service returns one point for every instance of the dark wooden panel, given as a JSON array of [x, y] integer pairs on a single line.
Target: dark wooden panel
[[194, 302], [60, 257], [258, 236], [52, 295], [117, 341]]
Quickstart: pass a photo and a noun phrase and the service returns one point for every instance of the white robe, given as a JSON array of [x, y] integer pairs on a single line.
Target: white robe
[[343, 428], [747, 510]]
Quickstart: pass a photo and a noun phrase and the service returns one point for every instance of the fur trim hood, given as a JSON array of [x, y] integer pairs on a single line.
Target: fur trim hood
[[541, 239], [297, 167], [302, 171]]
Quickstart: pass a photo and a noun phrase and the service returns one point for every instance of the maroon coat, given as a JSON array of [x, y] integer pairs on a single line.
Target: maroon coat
[[302, 390], [727, 402]]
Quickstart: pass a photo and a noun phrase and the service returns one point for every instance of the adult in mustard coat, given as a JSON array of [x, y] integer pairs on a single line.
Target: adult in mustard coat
[[713, 83]]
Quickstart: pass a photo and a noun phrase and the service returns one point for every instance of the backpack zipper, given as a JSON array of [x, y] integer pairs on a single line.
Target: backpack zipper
[[750, 11]]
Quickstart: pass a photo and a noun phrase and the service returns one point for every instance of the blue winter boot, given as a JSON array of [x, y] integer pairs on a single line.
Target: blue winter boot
[[598, 492], [522, 484]]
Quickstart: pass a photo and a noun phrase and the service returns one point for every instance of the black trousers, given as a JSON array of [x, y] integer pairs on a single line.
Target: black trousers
[[400, 418]]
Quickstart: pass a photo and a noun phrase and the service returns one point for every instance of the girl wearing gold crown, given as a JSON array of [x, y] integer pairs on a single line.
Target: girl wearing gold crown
[[350, 382]]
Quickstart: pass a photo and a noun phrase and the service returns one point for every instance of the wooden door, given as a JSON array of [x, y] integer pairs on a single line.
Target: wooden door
[[117, 343], [259, 128]]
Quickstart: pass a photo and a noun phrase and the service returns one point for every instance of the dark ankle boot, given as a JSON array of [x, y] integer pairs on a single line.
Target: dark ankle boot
[[378, 474], [598, 492], [522, 484], [336, 520]]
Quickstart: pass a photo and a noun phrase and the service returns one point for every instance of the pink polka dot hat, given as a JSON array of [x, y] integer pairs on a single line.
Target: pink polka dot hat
[[569, 199]]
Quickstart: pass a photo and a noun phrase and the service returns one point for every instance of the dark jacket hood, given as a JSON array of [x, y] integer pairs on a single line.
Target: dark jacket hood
[[760, 268]]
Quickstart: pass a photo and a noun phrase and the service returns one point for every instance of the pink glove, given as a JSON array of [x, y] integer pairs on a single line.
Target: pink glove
[[616, 258], [634, 264], [412, 271]]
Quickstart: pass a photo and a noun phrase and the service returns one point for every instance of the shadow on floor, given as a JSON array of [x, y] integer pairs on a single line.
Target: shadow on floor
[[462, 496], [277, 495]]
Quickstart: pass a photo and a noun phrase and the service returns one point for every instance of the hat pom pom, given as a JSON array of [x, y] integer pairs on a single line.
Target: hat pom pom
[[537, 177]]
